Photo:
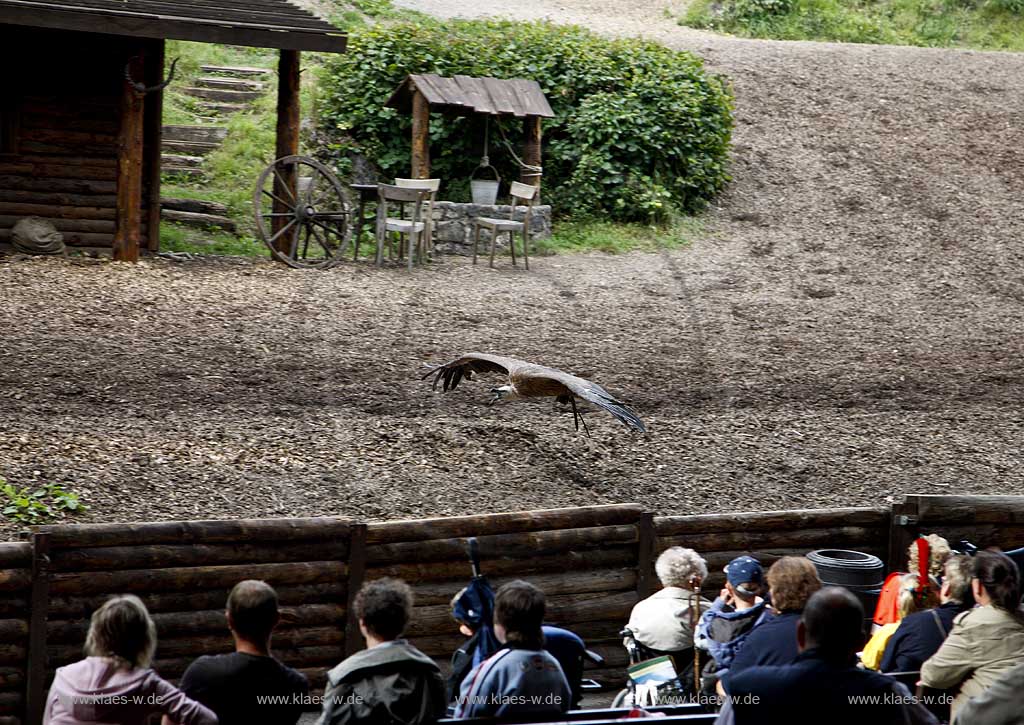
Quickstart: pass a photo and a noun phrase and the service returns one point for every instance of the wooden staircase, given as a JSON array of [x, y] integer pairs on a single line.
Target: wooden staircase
[[221, 91]]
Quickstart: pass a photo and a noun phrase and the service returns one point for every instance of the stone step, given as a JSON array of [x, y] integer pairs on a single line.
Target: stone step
[[193, 219], [198, 134], [188, 148], [195, 206], [222, 109], [237, 71], [221, 95], [191, 173], [189, 162], [231, 84]]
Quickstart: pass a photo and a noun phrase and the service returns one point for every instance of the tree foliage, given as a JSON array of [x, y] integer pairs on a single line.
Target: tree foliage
[[639, 130]]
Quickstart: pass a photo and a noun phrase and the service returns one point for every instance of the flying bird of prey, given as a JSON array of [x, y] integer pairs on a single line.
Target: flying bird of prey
[[526, 380]]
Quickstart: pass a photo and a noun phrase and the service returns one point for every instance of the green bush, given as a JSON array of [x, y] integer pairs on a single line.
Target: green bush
[[753, 9], [639, 131]]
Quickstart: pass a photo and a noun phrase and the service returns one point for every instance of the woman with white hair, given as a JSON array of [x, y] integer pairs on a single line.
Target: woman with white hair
[[664, 621], [114, 684]]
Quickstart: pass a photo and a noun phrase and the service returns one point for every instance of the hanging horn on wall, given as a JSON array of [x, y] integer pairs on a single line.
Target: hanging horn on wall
[[142, 88]]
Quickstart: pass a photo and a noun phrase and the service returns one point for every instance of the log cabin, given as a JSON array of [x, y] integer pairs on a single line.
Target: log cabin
[[81, 104]]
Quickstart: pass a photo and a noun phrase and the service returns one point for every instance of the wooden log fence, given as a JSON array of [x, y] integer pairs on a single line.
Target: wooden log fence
[[593, 563]]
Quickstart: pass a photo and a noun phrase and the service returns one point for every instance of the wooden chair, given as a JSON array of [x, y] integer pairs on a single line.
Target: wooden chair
[[522, 195], [386, 225], [432, 185]]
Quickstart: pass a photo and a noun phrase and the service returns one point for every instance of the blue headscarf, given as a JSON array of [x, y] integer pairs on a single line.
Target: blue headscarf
[[475, 606]]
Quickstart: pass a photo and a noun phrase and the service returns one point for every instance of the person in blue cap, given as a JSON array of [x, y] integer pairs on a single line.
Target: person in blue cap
[[737, 610]]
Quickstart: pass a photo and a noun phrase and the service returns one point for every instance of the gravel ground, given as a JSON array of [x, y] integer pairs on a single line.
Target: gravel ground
[[849, 330]]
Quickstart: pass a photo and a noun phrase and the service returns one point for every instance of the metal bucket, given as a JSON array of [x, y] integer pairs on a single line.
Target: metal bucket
[[484, 191]]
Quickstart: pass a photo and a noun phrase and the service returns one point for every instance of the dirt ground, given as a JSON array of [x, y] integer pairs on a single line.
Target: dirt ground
[[848, 331]]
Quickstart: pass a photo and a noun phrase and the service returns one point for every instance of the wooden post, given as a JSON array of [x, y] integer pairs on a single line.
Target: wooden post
[[35, 675], [153, 131], [902, 530], [356, 574], [531, 151], [129, 168], [645, 556], [285, 181], [420, 136]]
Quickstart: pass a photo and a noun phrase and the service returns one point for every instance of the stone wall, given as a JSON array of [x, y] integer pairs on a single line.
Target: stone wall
[[454, 225]]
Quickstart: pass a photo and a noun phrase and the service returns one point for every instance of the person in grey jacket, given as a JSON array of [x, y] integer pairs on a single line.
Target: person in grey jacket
[[390, 681], [1000, 704]]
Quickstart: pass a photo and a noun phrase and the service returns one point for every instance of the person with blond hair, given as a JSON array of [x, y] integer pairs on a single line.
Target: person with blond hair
[[926, 556], [115, 684], [912, 598], [791, 582]]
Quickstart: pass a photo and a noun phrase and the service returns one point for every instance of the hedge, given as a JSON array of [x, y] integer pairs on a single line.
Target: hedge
[[639, 131]]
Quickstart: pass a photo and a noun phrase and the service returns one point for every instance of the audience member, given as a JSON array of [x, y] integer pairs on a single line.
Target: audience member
[[664, 621], [390, 681], [823, 684], [1000, 704], [926, 556], [114, 684], [912, 598], [564, 645], [738, 609], [791, 582], [921, 634], [985, 642], [230, 684], [521, 677]]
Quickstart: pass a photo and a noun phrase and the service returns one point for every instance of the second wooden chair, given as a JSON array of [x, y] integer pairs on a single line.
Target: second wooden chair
[[522, 195]]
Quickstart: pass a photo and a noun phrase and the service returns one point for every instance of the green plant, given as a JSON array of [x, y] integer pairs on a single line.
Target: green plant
[[987, 24], [44, 503], [640, 131]]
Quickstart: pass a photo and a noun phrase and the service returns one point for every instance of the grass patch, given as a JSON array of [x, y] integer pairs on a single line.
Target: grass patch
[[180, 238], [590, 235], [981, 24]]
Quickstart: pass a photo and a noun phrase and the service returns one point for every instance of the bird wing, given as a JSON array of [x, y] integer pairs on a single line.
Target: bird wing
[[472, 362], [536, 376]]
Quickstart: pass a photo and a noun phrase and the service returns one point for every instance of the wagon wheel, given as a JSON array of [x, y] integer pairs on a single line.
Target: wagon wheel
[[313, 217]]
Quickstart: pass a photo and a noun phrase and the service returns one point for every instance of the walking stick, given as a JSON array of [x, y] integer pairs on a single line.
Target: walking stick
[[694, 621]]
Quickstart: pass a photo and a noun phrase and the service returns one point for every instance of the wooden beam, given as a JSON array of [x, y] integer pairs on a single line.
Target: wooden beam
[[420, 136], [356, 576], [531, 150], [129, 168], [35, 689], [288, 119], [152, 134]]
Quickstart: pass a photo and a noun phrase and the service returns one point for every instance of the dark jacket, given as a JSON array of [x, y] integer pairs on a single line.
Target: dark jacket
[[723, 630], [814, 690], [918, 637], [390, 684], [773, 642]]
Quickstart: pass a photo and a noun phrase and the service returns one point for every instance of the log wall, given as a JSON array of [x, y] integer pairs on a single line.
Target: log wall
[[585, 561], [983, 520], [15, 591], [66, 104], [770, 535], [183, 572], [593, 564]]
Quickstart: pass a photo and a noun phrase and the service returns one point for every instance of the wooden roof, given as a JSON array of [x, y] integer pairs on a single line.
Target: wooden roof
[[464, 95], [259, 23]]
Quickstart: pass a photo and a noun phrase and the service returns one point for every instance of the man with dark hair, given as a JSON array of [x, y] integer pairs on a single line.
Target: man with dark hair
[[249, 685], [823, 684], [521, 677], [390, 681]]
